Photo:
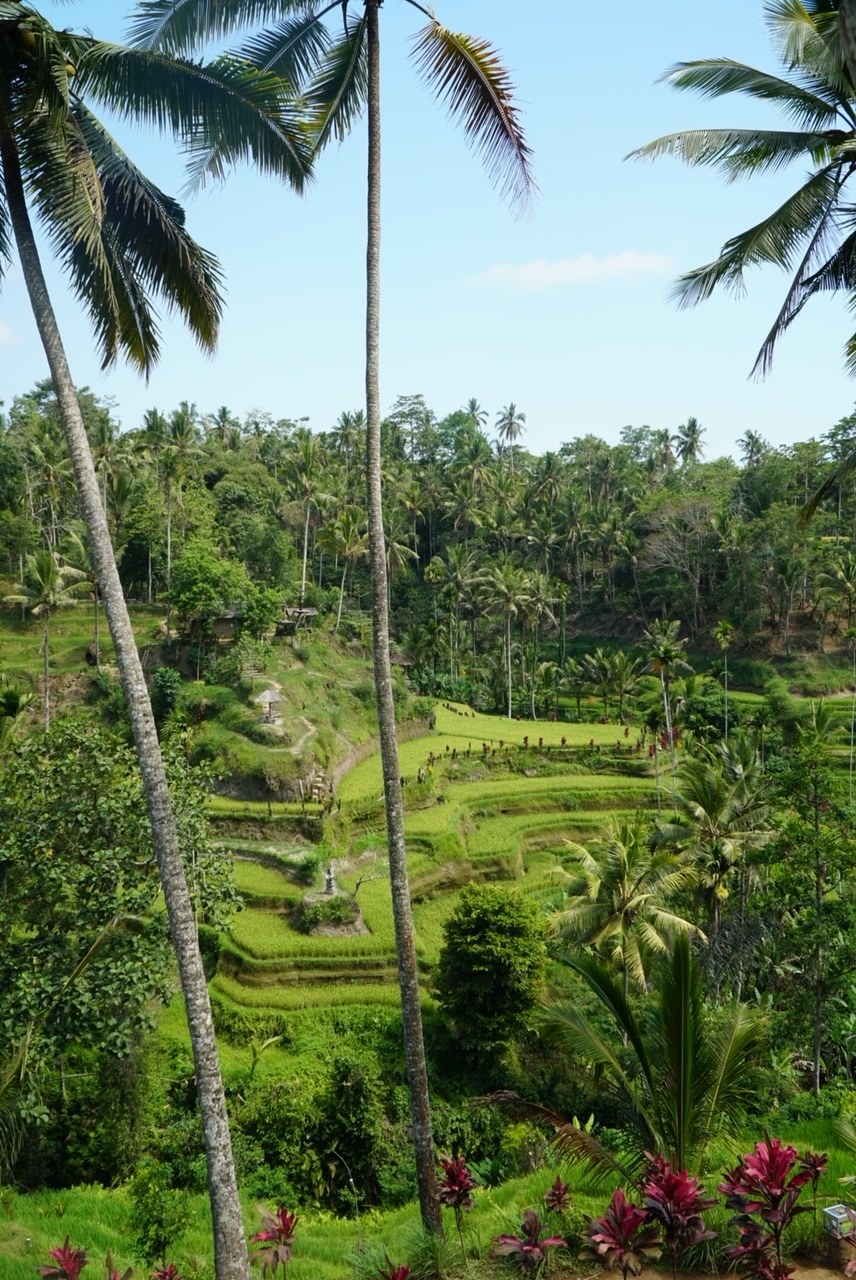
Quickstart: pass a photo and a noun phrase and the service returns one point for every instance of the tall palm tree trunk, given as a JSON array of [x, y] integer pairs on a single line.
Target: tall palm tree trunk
[[230, 1250], [847, 29], [408, 975], [46, 654]]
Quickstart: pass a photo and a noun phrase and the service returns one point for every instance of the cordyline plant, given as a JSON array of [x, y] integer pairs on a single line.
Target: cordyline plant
[[529, 1249], [169, 1272], [389, 1271], [624, 1239], [68, 1263], [455, 1190], [764, 1190], [675, 1201], [113, 1270], [558, 1198], [276, 1239]]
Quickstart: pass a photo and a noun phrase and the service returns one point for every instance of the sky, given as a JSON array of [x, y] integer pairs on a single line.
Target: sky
[[566, 312]]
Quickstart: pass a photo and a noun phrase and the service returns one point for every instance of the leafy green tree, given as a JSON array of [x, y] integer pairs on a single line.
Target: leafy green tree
[[490, 968], [809, 235], [75, 857], [122, 243], [810, 893], [343, 74]]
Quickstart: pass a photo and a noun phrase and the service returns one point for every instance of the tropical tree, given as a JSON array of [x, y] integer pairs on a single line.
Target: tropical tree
[[341, 75], [666, 661], [688, 441], [720, 817], [49, 584], [123, 243], [811, 235], [505, 591], [510, 425], [345, 539], [618, 896], [686, 1079], [723, 634]]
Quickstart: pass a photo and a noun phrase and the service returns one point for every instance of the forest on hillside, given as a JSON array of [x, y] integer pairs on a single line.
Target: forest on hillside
[[486, 539]]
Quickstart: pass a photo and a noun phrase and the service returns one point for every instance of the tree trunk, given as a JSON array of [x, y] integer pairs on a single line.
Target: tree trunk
[[408, 974], [46, 653], [230, 1250], [847, 29]]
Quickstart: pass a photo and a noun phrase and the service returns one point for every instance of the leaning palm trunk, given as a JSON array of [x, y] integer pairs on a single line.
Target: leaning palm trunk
[[847, 29], [231, 1262], [408, 975]]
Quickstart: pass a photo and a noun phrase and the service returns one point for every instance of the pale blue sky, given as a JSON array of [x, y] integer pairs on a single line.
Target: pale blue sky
[[566, 312]]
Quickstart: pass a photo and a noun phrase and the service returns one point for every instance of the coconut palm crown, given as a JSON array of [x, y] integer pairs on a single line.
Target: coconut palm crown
[[812, 234]]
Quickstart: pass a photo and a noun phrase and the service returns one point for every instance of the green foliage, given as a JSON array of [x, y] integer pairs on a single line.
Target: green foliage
[[490, 968], [159, 1214], [165, 692], [83, 943], [335, 910]]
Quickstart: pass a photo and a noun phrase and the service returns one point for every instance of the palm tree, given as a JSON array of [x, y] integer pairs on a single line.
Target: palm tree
[[720, 818], [510, 425], [686, 1080], [618, 899], [688, 441], [723, 634], [49, 584], [810, 235], [343, 75], [505, 592], [666, 661], [305, 460], [123, 242], [345, 539]]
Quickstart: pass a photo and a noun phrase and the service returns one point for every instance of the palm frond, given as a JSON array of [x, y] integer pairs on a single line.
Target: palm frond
[[337, 95], [609, 992], [224, 111], [150, 253], [572, 1142], [805, 39], [776, 240], [739, 152], [803, 285], [177, 27], [736, 1041], [291, 48], [811, 104], [469, 76]]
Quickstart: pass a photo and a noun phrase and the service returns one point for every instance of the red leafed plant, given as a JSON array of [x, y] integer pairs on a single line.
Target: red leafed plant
[[456, 1189], [529, 1248], [623, 1240], [558, 1198], [675, 1201], [113, 1271], [69, 1263], [389, 1271], [169, 1272], [276, 1239], [764, 1190]]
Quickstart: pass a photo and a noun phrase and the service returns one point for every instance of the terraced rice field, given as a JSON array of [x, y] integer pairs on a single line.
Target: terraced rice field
[[478, 806]]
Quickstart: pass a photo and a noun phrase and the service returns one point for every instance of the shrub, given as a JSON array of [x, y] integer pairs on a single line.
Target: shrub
[[337, 910]]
